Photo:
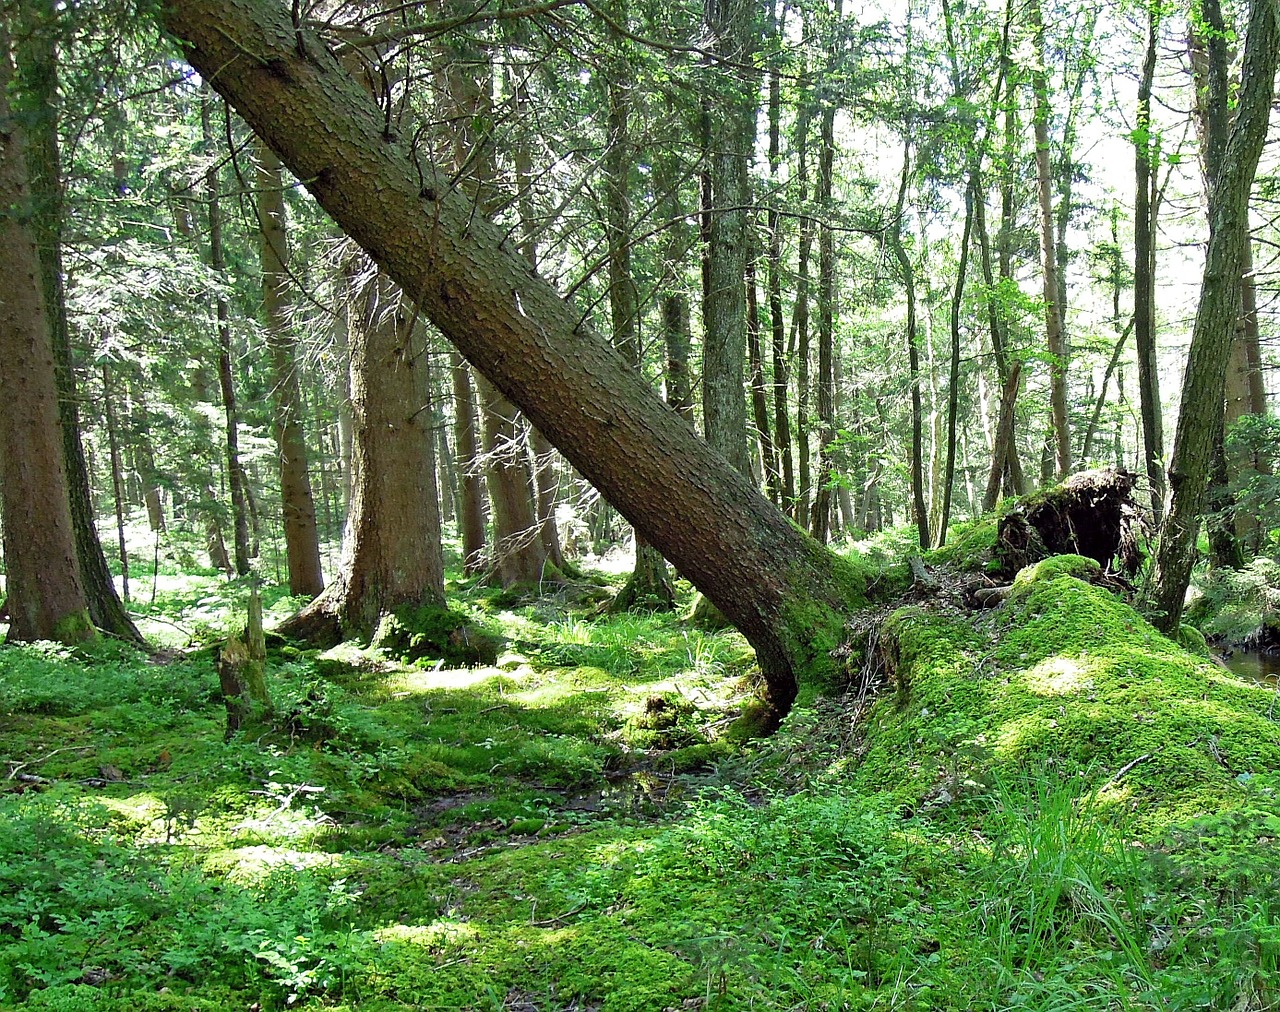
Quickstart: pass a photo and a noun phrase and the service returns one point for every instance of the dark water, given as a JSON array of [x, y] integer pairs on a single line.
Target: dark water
[[1256, 666]]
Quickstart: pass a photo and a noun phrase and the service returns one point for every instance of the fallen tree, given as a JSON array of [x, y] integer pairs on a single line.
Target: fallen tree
[[787, 594]]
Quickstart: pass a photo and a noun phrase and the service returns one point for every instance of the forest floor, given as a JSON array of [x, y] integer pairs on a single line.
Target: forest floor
[[1041, 806]]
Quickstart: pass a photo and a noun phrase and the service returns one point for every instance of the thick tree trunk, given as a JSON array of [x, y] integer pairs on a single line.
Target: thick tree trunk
[[1203, 381], [297, 506], [724, 410], [785, 592], [36, 58], [391, 548], [46, 599]]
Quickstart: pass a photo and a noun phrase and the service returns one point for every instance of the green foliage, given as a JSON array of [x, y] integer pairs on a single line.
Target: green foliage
[[1231, 605]]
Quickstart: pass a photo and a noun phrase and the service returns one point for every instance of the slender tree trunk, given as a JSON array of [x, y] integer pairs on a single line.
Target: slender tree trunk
[[226, 380], [1202, 387], [820, 523], [953, 384], [37, 62], [46, 599], [302, 540], [919, 510], [1150, 406], [471, 518], [1053, 313], [777, 324], [759, 395], [648, 587], [117, 484], [801, 311], [785, 592]]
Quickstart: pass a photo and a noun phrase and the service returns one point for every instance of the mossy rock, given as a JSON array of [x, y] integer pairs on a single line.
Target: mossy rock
[[415, 632], [667, 721]]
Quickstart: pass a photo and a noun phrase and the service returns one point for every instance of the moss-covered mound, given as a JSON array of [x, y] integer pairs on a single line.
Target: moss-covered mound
[[411, 633], [1063, 677]]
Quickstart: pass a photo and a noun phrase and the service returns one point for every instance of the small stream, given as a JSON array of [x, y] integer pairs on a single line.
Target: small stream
[[1253, 665]]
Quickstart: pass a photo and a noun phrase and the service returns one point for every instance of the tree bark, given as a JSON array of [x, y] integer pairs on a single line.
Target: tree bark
[[724, 412], [919, 509], [471, 519], [391, 548], [46, 599], [820, 523], [297, 505], [777, 324], [1144, 261], [1056, 338], [1204, 379], [37, 69], [226, 379], [785, 592]]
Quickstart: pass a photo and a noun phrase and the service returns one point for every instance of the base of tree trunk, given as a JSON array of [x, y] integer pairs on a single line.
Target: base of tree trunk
[[706, 616], [1092, 514], [648, 589]]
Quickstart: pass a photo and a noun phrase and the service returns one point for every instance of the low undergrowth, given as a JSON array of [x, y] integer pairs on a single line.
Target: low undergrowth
[[1047, 807]]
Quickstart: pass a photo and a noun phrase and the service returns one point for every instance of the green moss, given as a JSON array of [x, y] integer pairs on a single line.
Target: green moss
[[1065, 677], [1056, 566], [73, 628], [414, 632], [1192, 640], [969, 546]]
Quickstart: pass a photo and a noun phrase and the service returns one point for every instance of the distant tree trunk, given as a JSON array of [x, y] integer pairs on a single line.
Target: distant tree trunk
[[919, 509], [820, 524], [1144, 260], [1004, 438], [117, 483], [759, 395], [302, 540], [46, 599], [953, 384], [226, 380], [518, 553], [471, 519], [800, 322], [777, 324], [1202, 387], [1053, 313], [786, 593], [648, 587], [676, 327], [36, 59], [730, 24], [391, 548]]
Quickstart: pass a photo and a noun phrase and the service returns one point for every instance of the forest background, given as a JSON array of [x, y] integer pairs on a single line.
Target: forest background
[[894, 265]]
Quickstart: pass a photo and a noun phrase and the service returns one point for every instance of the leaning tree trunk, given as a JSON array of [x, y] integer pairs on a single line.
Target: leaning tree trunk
[[46, 599], [784, 591], [1203, 382]]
